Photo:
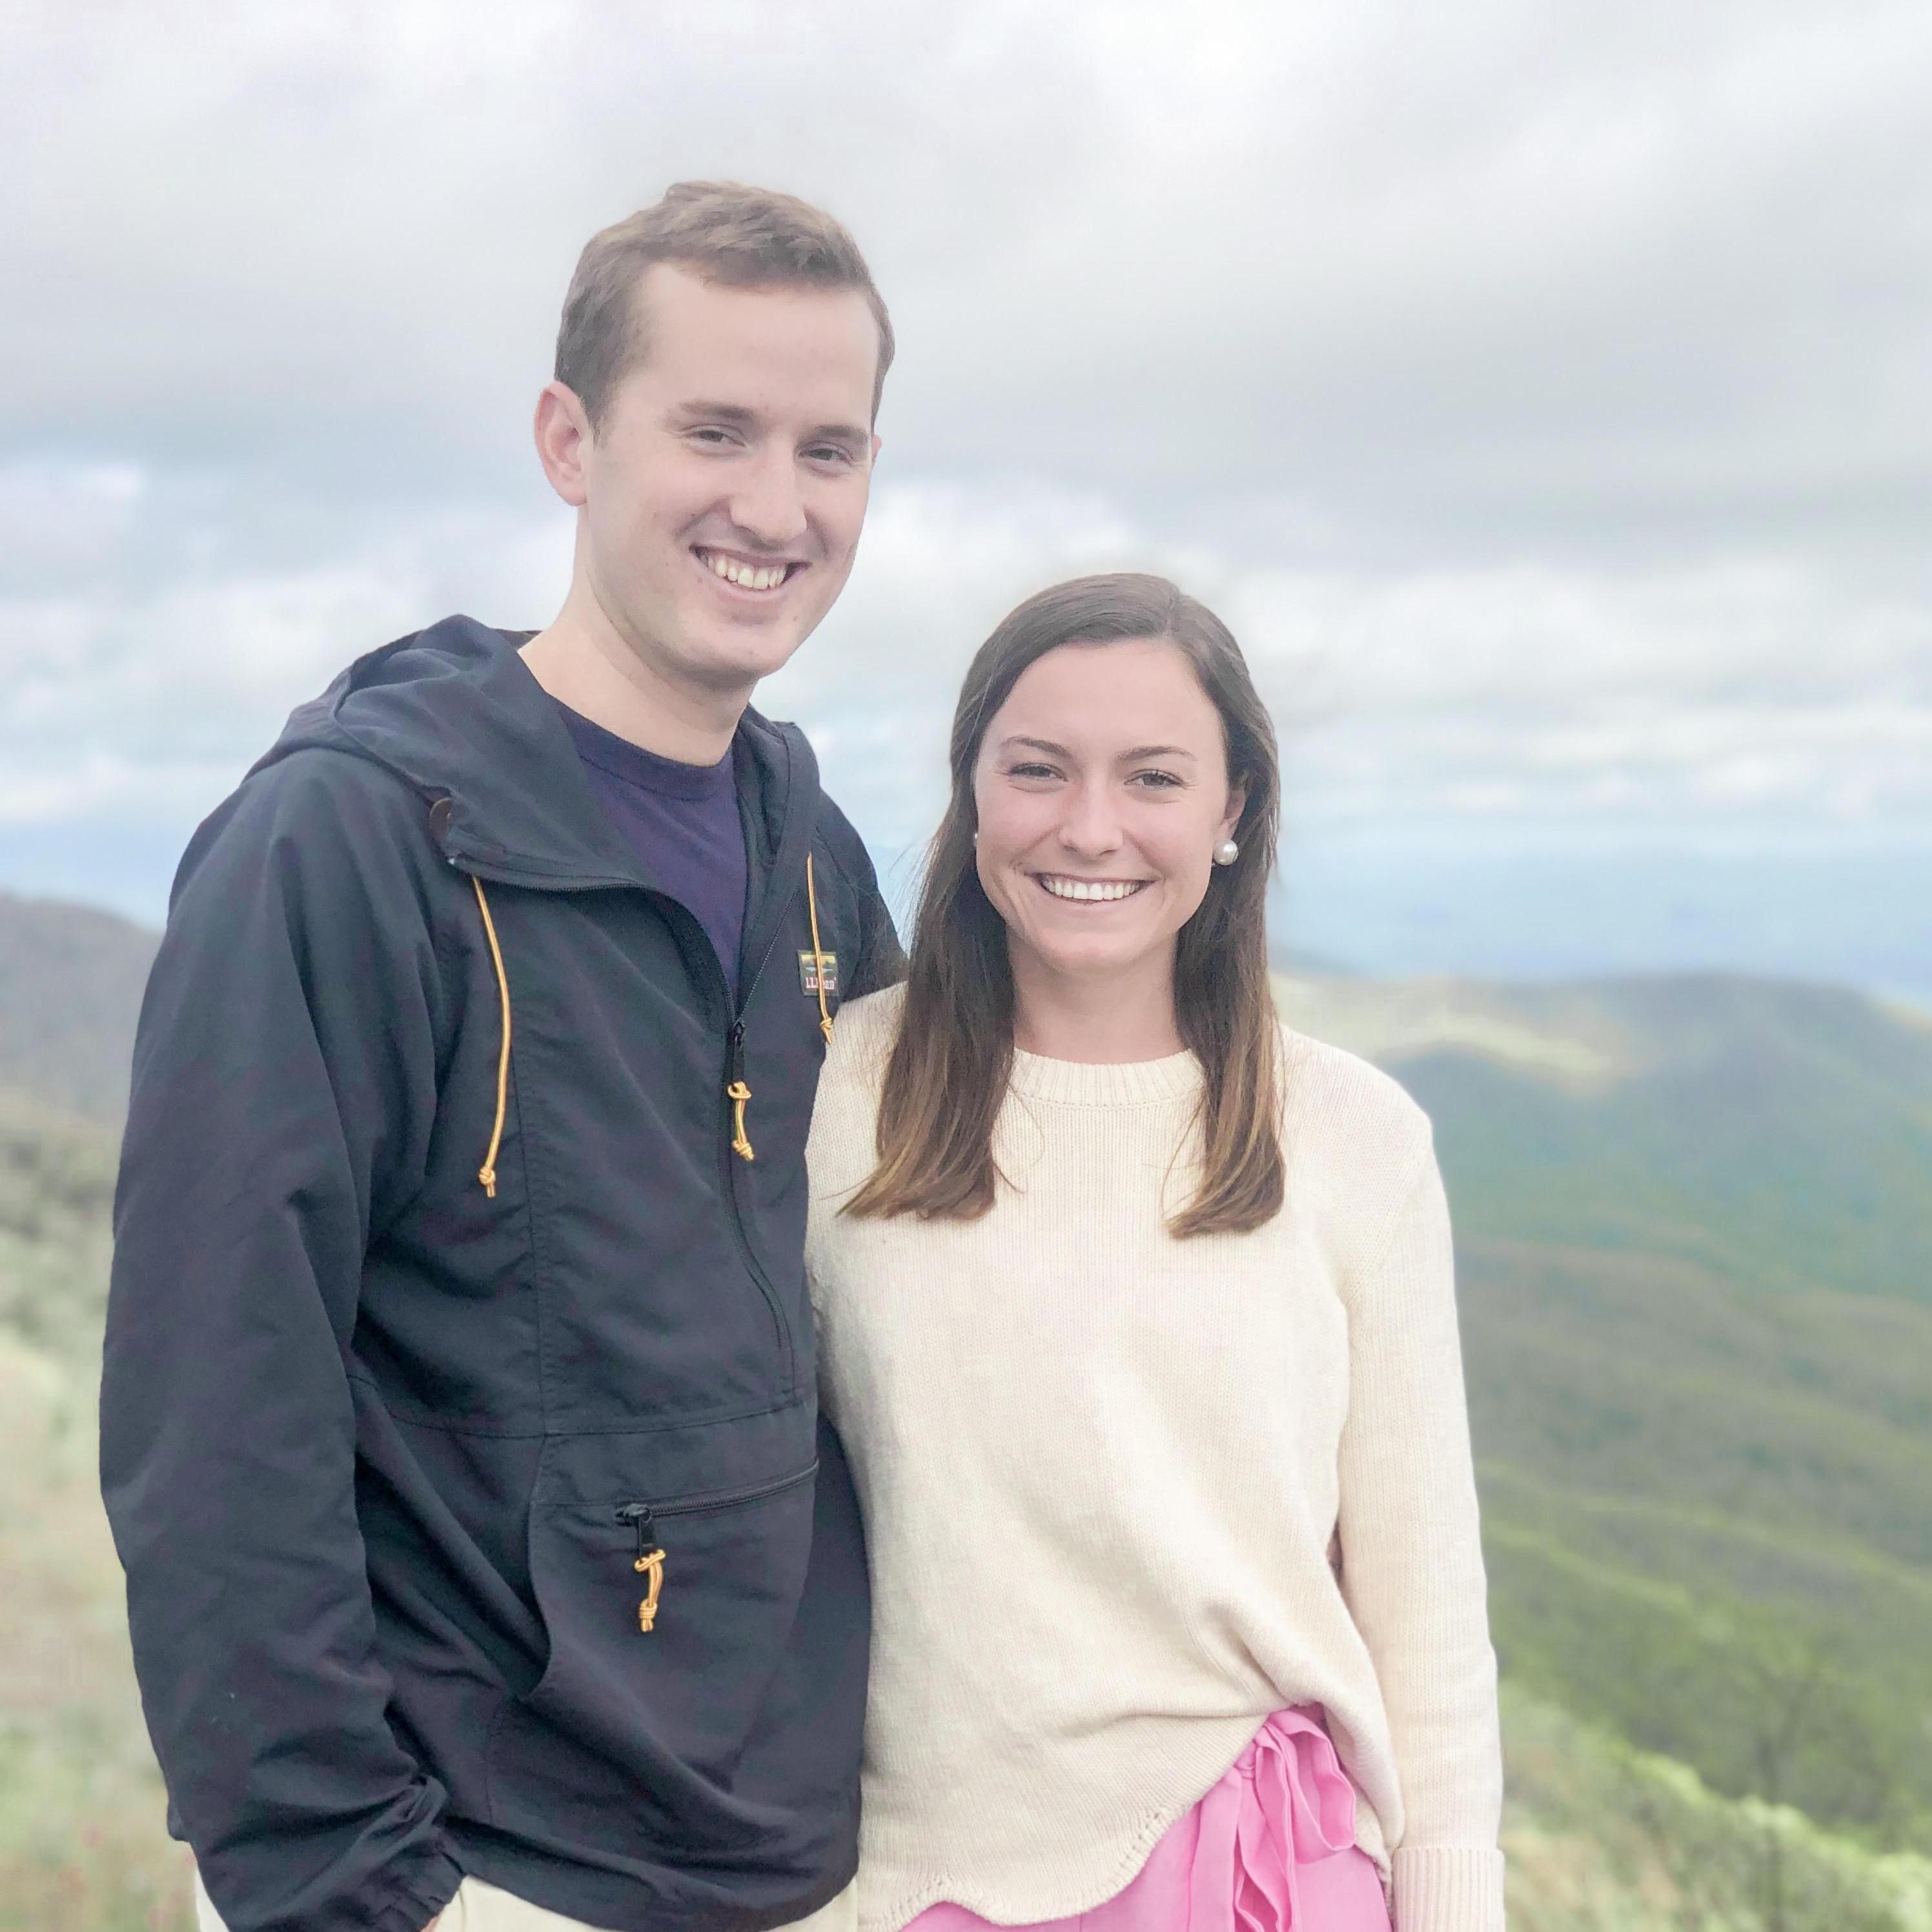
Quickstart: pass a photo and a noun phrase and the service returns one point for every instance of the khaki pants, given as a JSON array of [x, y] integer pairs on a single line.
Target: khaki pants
[[478, 1907]]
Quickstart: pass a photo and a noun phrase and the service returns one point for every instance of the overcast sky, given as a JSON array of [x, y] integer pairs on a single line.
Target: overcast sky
[[1544, 391]]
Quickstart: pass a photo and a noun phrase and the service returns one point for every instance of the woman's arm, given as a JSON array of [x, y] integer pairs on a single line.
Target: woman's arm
[[1412, 1566]]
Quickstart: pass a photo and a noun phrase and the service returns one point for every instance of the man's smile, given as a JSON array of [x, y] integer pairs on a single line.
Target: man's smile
[[759, 577]]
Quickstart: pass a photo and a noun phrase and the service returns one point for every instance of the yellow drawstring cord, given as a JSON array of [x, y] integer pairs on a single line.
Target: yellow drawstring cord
[[737, 1092], [817, 956], [487, 1174]]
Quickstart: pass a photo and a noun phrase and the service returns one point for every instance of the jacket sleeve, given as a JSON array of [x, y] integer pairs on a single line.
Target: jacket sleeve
[[283, 1090], [881, 960], [1412, 1565]]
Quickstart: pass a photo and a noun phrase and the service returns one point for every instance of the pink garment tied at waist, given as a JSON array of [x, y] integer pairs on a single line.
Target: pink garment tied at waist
[[1270, 1847]]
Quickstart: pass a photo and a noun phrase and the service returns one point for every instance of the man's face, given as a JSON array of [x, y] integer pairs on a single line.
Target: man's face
[[724, 495]]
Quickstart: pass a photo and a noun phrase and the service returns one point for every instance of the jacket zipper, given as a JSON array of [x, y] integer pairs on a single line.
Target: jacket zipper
[[644, 1517], [736, 1143]]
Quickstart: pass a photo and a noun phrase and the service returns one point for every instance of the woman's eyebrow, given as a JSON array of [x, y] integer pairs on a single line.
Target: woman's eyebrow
[[1045, 745], [1156, 751]]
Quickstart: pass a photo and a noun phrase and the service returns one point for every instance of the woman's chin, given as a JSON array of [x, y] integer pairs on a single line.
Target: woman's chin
[[1098, 958]]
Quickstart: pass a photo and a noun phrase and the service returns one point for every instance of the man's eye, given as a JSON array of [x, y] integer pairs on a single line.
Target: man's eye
[[714, 438], [828, 453]]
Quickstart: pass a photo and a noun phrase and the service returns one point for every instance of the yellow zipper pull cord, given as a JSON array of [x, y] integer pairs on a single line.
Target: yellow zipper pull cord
[[487, 1173], [738, 1094], [650, 1564], [817, 953]]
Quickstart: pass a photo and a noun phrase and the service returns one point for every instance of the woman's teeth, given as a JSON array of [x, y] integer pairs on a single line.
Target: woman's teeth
[[746, 576], [1090, 889]]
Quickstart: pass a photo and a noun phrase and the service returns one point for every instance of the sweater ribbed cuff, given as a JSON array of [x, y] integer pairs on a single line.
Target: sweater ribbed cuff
[[1448, 1888]]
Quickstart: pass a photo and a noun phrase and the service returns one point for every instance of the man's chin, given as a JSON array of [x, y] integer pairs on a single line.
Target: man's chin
[[742, 656]]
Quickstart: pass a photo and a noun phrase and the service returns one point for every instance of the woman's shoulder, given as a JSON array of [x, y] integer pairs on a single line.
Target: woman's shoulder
[[863, 1038], [1335, 1104], [845, 1117]]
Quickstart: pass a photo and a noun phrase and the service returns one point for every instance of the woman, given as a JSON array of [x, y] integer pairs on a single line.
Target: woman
[[1137, 1320]]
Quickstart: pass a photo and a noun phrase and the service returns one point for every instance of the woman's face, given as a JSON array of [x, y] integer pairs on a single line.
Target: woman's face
[[1102, 790]]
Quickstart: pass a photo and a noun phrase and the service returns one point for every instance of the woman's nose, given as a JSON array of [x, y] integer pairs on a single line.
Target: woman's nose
[[1089, 825]]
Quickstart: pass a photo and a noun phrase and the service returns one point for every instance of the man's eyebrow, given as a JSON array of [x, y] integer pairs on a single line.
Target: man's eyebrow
[[838, 432], [734, 413]]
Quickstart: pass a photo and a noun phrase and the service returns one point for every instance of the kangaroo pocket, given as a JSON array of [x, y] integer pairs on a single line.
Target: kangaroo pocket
[[668, 1600]]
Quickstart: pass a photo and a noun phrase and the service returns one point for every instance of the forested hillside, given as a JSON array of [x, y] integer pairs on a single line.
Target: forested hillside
[[70, 981], [1695, 1255], [1694, 1237]]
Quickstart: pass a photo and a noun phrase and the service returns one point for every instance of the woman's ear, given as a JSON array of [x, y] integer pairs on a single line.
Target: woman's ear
[[1237, 803]]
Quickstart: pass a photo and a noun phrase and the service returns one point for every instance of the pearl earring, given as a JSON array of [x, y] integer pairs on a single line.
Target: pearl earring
[[1226, 853]]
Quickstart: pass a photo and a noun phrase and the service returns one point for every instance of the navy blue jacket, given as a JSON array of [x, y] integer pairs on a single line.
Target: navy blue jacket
[[406, 1388]]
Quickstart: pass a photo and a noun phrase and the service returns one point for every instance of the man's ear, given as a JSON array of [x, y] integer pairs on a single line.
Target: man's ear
[[563, 440]]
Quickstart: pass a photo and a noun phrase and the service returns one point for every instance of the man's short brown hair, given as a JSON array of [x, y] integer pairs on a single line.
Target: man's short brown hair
[[723, 232]]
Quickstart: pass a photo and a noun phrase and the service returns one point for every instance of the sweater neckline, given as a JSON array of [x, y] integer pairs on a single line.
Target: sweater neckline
[[1127, 1083]]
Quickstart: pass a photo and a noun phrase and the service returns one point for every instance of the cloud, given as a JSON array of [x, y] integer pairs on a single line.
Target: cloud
[[1510, 276], [1540, 391]]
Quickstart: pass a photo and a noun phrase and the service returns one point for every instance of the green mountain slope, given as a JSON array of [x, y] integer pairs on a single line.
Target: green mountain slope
[[1781, 1134], [1694, 1234]]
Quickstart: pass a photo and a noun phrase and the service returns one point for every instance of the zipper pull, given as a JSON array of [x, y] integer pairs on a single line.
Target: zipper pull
[[737, 1092], [650, 1564]]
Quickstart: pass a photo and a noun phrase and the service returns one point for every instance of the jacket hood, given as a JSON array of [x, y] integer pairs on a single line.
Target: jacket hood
[[455, 711]]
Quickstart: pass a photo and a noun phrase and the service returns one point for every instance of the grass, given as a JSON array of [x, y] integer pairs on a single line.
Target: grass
[[82, 1847], [1602, 1837]]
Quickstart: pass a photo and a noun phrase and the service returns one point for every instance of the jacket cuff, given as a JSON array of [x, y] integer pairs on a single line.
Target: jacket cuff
[[429, 1888], [1448, 1889]]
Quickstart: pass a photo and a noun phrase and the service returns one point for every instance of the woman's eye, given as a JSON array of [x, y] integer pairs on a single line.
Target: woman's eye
[[1031, 771], [1156, 780]]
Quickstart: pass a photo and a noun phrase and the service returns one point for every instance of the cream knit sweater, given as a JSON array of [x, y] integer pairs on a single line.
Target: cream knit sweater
[[1109, 1479]]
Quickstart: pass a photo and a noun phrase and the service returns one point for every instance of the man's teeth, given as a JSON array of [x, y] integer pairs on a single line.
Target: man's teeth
[[1090, 888], [746, 576]]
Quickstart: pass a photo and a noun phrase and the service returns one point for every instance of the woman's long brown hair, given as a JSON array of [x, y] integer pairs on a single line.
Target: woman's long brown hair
[[948, 1072]]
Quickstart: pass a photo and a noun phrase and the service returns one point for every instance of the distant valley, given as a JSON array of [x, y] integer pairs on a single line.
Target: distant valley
[[1694, 1222]]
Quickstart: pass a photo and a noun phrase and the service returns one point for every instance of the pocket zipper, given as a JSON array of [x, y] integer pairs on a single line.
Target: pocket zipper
[[649, 1560]]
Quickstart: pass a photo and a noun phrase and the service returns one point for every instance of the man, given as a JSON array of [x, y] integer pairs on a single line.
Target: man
[[458, 1423]]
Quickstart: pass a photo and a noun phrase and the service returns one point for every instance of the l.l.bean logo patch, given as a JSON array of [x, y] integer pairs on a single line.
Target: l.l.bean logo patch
[[809, 965]]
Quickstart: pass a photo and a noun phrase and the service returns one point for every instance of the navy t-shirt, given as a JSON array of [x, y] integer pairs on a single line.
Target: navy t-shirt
[[682, 822]]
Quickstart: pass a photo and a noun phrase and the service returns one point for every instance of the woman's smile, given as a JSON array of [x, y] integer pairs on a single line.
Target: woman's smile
[[1088, 892]]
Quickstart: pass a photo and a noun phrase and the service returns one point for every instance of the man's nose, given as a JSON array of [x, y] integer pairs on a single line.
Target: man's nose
[[768, 506]]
